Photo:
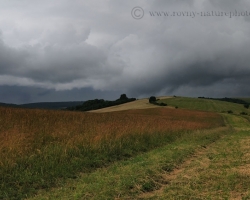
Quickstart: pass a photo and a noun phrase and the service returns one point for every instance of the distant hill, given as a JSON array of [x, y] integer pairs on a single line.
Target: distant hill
[[96, 104], [52, 105], [138, 104], [45, 105], [9, 105]]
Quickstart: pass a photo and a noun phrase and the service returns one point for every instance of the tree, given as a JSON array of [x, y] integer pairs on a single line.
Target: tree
[[123, 97], [152, 99]]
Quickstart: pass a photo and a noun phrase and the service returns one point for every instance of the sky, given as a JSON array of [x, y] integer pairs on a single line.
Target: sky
[[64, 50]]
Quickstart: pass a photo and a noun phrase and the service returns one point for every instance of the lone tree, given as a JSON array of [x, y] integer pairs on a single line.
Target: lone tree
[[123, 97], [152, 99]]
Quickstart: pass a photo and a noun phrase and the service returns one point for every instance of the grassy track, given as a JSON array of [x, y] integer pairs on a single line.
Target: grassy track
[[221, 172]]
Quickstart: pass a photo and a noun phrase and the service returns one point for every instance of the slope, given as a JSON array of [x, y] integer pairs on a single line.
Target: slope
[[138, 104]]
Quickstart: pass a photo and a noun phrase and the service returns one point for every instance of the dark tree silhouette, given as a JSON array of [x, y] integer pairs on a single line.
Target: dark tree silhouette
[[152, 99], [123, 97]]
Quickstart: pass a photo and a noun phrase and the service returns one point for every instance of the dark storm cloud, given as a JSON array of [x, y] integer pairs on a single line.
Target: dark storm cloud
[[62, 46], [20, 94]]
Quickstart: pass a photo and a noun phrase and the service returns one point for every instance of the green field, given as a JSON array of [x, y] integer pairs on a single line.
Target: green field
[[205, 104], [201, 163]]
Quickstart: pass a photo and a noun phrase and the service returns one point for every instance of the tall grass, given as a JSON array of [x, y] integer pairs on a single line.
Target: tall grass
[[39, 148]]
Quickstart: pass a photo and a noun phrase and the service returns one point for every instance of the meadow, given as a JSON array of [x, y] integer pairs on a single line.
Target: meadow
[[206, 105], [208, 163], [41, 149]]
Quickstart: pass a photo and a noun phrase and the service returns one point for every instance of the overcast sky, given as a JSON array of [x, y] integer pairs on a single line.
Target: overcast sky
[[64, 50]]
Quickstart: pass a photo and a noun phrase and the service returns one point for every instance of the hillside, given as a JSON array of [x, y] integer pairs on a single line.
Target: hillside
[[206, 105], [138, 104], [246, 99], [96, 104]]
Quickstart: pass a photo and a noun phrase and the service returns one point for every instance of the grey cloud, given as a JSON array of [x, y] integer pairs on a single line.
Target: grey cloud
[[21, 94], [100, 46], [230, 5]]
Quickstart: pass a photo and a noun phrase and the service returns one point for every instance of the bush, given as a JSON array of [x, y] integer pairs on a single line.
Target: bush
[[243, 113], [176, 107], [230, 111], [246, 106], [152, 99]]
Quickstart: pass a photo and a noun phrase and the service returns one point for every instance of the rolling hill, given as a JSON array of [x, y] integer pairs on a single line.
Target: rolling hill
[[138, 104], [205, 105]]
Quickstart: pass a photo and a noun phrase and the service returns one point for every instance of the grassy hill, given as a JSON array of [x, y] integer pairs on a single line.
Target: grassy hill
[[246, 99], [205, 105], [138, 104]]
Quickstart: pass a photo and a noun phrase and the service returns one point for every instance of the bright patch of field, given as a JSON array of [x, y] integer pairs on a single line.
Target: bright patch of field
[[205, 104], [138, 104], [39, 149]]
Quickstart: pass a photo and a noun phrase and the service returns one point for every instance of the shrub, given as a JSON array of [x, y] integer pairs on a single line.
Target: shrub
[[230, 111], [152, 99], [246, 106], [243, 113]]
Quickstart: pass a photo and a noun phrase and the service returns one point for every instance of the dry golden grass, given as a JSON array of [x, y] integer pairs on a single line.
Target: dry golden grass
[[23, 130], [138, 104], [38, 147]]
